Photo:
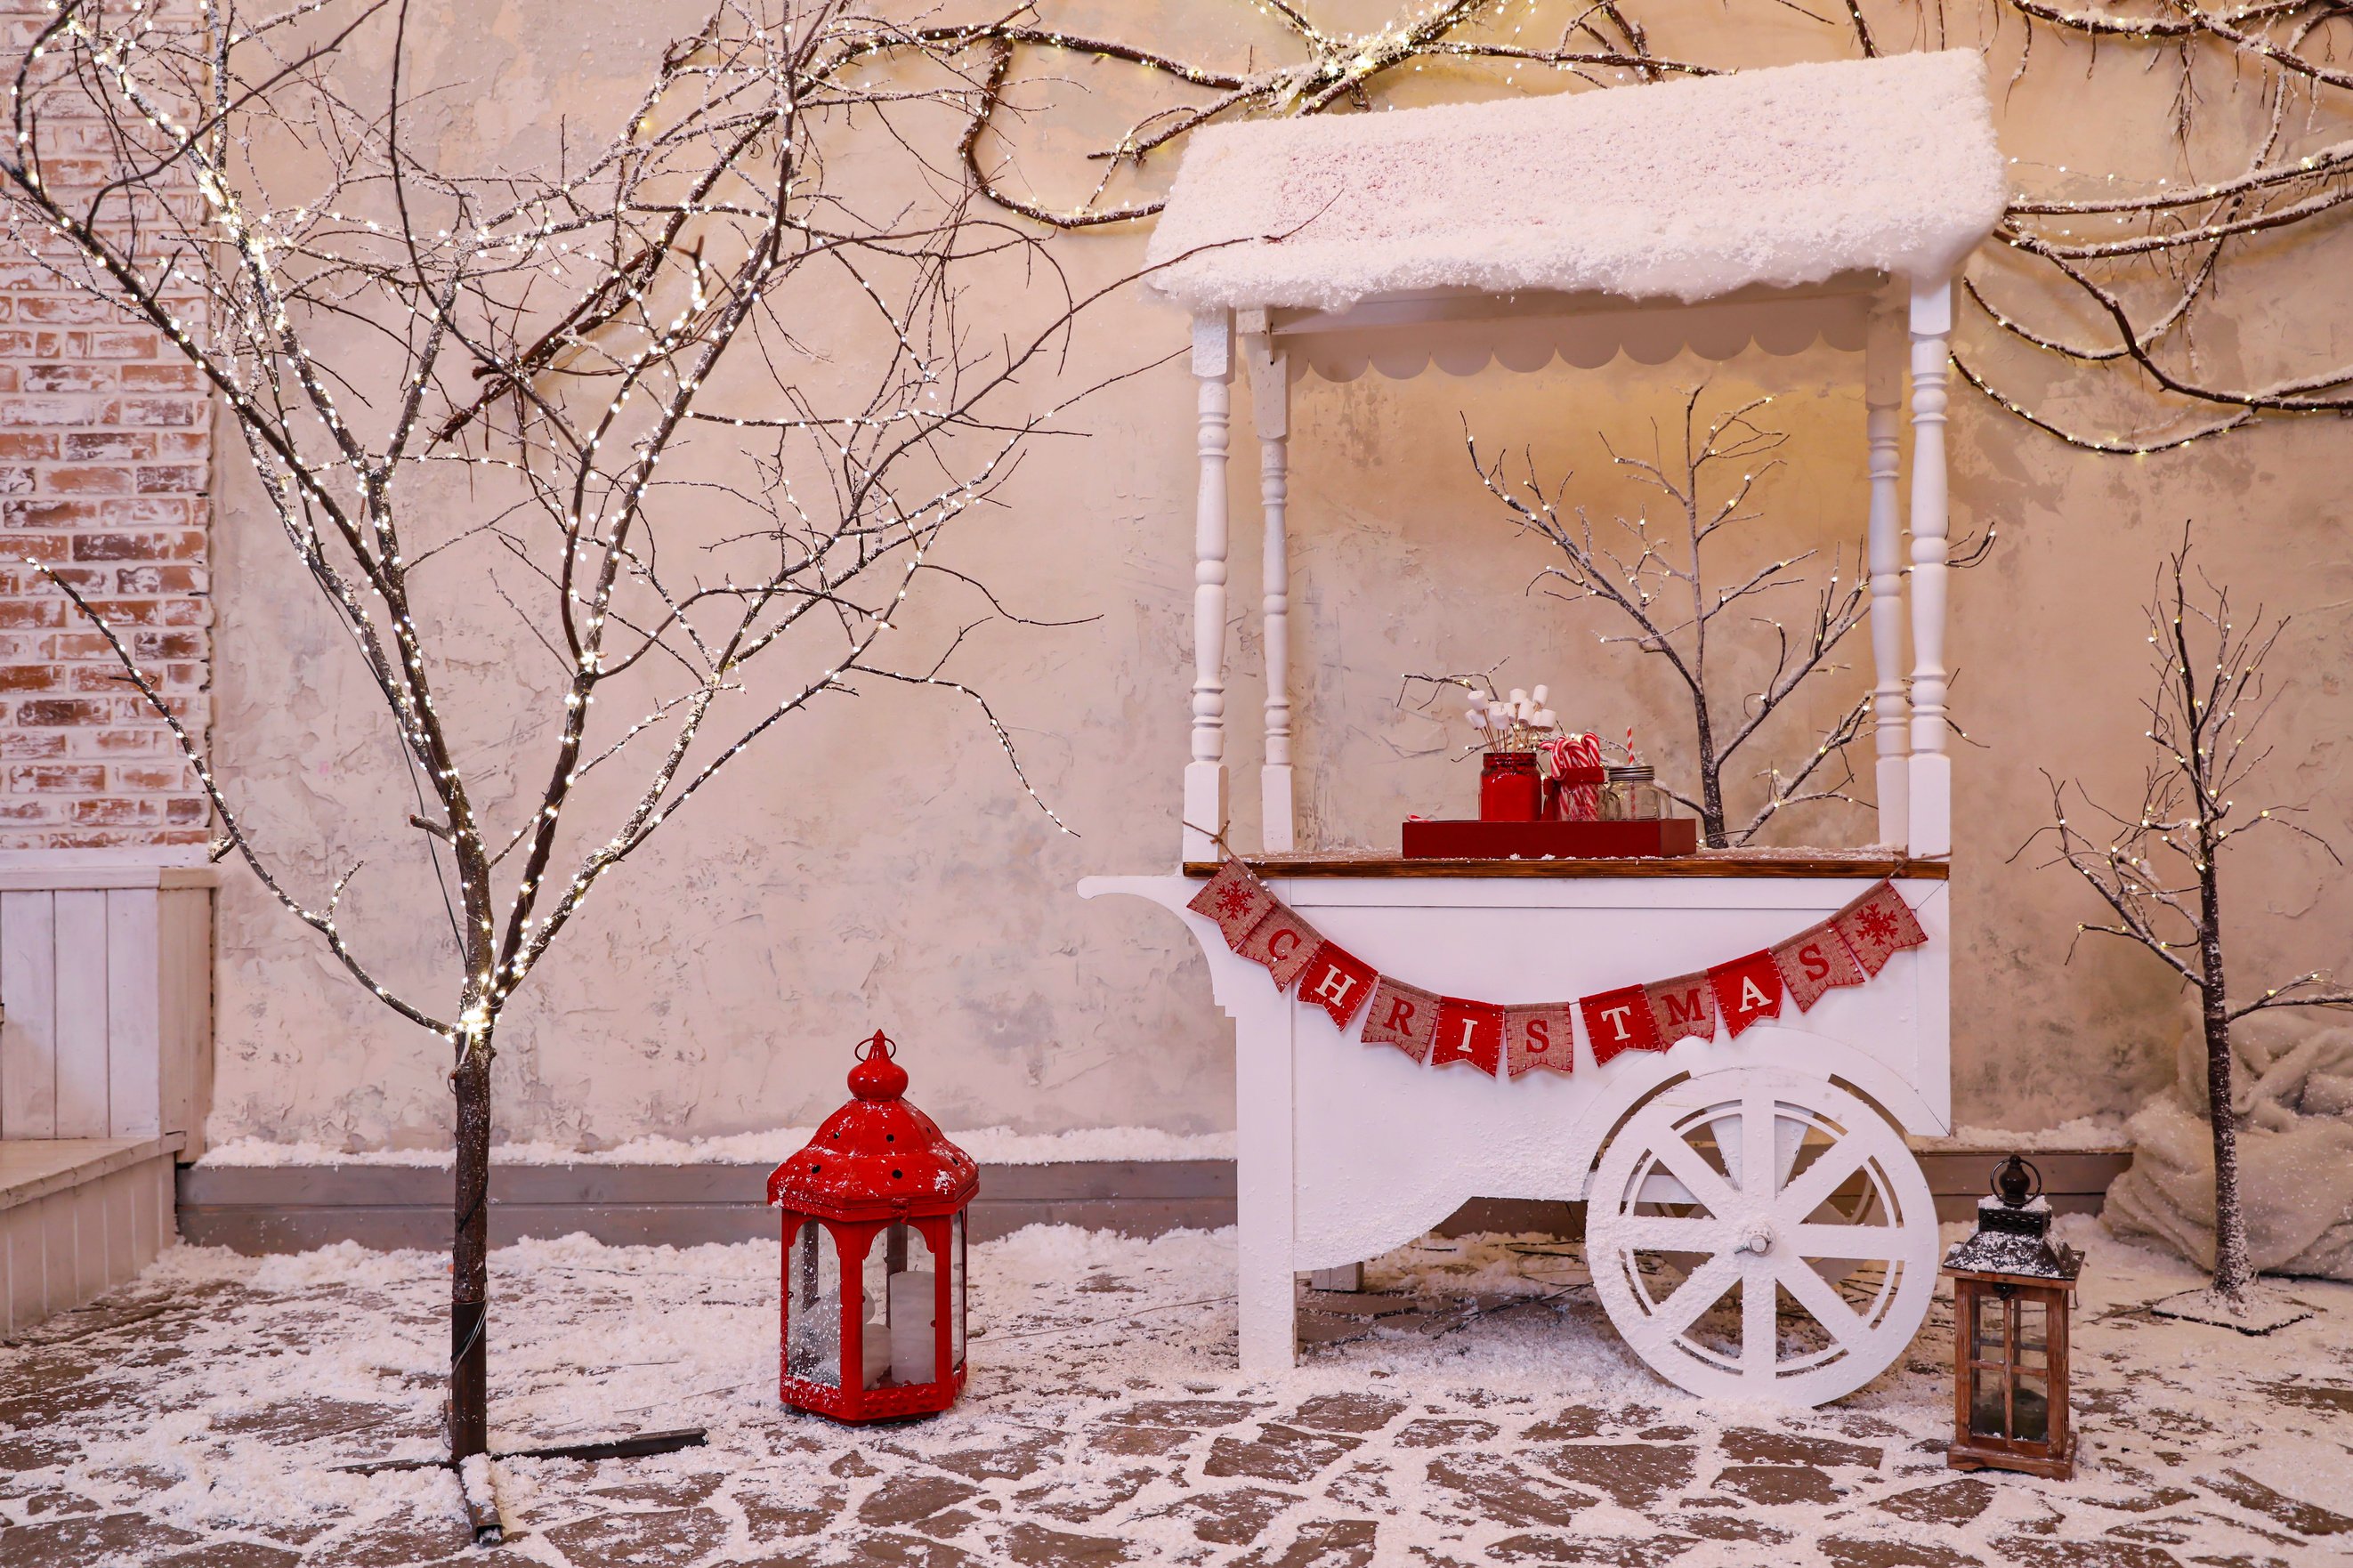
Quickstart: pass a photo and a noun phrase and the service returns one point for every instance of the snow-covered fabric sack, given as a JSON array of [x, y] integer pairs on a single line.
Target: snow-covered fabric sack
[[2293, 1078]]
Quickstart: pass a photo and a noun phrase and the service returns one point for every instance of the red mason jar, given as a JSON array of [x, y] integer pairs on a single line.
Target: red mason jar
[[1509, 789]]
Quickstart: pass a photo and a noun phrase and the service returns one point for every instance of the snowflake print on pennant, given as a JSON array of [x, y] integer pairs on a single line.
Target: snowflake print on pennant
[[1877, 926], [1235, 899]]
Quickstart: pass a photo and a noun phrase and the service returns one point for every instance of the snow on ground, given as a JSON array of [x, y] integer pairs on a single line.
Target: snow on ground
[[199, 1416], [989, 1146]]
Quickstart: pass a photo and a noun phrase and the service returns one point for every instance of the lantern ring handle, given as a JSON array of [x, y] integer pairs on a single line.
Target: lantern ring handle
[[2024, 1165], [865, 1049]]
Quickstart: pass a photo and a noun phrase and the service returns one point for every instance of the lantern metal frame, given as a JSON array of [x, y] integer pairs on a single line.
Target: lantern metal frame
[[875, 1164]]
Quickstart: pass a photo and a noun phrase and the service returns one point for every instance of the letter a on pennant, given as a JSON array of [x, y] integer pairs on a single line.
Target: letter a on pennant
[[1619, 1021], [1468, 1032], [1540, 1037], [1684, 1008], [1878, 926], [1283, 942], [1404, 1016], [1814, 962], [1235, 899], [1336, 980], [1747, 989]]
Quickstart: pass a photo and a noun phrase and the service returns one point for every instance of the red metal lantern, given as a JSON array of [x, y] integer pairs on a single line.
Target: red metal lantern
[[874, 1254]]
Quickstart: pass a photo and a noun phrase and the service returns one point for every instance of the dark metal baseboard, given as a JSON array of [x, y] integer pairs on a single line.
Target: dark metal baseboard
[[291, 1208]]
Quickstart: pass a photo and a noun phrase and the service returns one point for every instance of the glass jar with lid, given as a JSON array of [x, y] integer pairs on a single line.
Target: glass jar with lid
[[1630, 792]]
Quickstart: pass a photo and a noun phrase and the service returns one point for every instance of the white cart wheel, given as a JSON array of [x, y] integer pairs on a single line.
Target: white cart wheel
[[1760, 1234]]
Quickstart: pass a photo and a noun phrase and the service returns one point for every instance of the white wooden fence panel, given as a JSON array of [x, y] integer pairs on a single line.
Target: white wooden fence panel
[[134, 978], [29, 1047], [81, 1035]]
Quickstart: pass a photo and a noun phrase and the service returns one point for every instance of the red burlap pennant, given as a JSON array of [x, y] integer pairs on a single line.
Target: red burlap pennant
[[1283, 942], [1468, 1032], [1747, 989], [1684, 1008], [1814, 962], [1235, 899], [1543, 1036], [1619, 1021], [1403, 1016], [1336, 980], [1878, 926]]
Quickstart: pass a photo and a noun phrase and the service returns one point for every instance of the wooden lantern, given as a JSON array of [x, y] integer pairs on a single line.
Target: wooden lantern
[[2012, 1286], [874, 1254]]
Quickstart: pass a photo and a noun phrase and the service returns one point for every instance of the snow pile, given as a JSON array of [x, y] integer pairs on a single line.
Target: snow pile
[[1692, 188], [2295, 1100], [989, 1146]]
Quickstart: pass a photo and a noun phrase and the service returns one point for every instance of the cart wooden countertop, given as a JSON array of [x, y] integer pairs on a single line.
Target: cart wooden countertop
[[1707, 863]]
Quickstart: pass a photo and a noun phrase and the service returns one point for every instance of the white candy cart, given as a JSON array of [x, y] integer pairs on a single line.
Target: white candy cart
[[1755, 1224]]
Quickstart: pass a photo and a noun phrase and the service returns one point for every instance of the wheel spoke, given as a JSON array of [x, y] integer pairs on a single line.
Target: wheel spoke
[[1669, 1233], [1759, 1168], [1695, 1295], [1696, 1173], [1760, 1337], [1819, 1180], [1867, 1243], [1816, 1296]]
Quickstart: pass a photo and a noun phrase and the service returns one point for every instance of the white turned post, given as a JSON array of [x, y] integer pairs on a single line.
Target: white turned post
[[1883, 398], [1205, 775], [1931, 804], [1269, 378]]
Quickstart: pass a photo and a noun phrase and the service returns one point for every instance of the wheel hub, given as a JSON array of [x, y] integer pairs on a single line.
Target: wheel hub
[[1756, 1238]]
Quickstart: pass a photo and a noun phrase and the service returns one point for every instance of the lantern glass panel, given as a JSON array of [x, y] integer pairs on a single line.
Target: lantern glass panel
[[1988, 1415], [2030, 1407], [1987, 1346], [873, 1296], [956, 1288], [2033, 1335], [813, 1315], [912, 1306]]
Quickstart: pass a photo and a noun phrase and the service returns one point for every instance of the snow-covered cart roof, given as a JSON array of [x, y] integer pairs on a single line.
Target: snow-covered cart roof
[[1688, 190]]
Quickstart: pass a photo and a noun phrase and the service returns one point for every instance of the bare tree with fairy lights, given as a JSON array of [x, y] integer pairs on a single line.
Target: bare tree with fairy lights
[[2144, 260], [461, 390], [2158, 866], [1666, 580]]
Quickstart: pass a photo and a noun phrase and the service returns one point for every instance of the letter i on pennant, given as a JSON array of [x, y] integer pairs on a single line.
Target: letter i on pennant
[[1336, 980], [1468, 1032]]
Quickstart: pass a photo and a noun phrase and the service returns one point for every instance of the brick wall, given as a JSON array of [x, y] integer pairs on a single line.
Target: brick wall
[[105, 463]]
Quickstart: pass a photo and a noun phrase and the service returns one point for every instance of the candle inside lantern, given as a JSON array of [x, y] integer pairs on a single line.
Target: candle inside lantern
[[874, 1343], [913, 1344]]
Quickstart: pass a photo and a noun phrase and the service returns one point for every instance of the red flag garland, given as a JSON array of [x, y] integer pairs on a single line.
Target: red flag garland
[[1468, 1032], [1814, 962], [1878, 926], [1747, 989], [1621, 1021], [1684, 1008], [1283, 942], [1540, 1037], [1403, 1016], [1848, 949], [1336, 980]]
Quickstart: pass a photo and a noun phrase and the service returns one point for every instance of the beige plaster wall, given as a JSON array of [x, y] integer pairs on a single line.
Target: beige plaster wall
[[874, 863]]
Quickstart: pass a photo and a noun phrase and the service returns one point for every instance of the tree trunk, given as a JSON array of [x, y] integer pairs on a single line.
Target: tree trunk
[[469, 1258], [2233, 1272], [1711, 783]]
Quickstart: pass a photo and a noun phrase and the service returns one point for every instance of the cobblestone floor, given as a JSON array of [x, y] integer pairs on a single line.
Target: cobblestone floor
[[1474, 1409]]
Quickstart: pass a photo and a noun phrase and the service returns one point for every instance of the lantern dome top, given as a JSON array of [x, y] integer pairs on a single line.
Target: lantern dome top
[[2013, 1235], [878, 1157]]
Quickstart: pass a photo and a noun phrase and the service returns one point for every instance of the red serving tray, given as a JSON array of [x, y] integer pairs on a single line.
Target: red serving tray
[[1561, 840]]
